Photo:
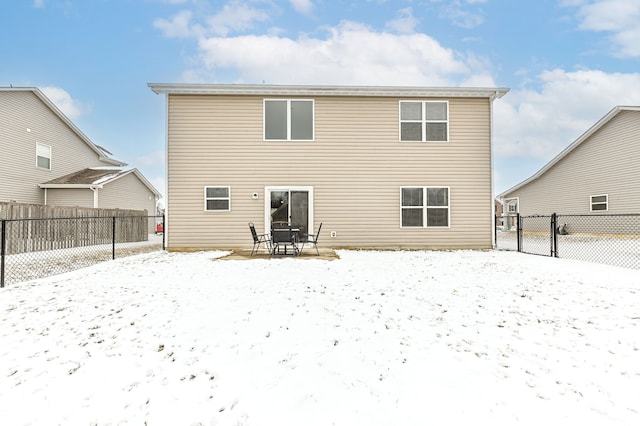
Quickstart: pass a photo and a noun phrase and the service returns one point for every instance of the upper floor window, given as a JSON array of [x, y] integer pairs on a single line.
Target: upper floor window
[[599, 203], [424, 207], [288, 119], [424, 121], [217, 198], [512, 205], [43, 156]]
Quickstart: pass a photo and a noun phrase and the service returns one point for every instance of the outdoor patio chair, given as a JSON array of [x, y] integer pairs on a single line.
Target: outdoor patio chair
[[259, 239], [313, 239], [282, 236]]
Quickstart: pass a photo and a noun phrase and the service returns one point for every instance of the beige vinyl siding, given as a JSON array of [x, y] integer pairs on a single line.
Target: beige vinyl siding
[[127, 191], [356, 166], [606, 163], [19, 176], [81, 197]]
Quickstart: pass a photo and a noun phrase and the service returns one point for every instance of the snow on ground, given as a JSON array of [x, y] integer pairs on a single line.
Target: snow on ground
[[38, 264], [608, 249], [374, 338]]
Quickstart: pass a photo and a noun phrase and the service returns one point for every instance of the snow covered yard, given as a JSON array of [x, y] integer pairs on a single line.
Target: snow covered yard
[[374, 338]]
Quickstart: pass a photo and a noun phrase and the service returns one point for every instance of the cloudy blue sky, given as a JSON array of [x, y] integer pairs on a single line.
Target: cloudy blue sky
[[567, 62]]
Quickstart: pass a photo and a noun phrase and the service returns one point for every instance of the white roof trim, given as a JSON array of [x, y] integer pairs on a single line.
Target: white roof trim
[[69, 185], [282, 90], [65, 119], [604, 120], [105, 180], [100, 183]]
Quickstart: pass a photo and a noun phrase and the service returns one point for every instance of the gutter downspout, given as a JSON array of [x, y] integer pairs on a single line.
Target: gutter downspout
[[495, 96], [95, 196], [45, 196]]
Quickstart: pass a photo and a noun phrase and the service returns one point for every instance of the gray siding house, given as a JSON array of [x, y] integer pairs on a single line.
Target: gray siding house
[[102, 188], [46, 159], [379, 167], [598, 173]]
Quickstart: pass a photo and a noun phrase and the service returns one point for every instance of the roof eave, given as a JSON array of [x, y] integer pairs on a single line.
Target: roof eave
[[597, 126], [294, 90], [69, 186], [140, 176], [67, 121]]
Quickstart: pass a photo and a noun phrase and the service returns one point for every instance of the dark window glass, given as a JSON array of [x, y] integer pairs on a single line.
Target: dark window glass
[[412, 217], [217, 204]]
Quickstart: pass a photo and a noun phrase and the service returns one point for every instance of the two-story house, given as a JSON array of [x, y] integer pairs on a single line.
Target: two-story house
[[46, 159], [379, 167]]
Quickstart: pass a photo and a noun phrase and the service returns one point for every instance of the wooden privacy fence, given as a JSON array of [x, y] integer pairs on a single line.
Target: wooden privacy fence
[[33, 227], [39, 211]]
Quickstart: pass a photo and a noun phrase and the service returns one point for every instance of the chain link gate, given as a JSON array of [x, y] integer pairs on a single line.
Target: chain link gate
[[535, 235]]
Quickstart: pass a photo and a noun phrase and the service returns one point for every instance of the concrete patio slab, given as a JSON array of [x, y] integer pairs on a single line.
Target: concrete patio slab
[[325, 254]]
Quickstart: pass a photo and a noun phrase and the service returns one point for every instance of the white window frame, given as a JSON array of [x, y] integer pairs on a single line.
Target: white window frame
[[267, 202], [425, 207], [289, 122], [605, 202], [507, 203], [424, 121], [48, 147], [227, 198]]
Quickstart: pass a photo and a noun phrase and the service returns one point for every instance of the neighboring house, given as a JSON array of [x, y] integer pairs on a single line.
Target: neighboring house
[[102, 188], [598, 173], [379, 167], [46, 159], [498, 211]]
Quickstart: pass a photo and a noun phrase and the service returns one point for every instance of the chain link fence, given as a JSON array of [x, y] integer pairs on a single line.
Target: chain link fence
[[37, 248], [608, 239]]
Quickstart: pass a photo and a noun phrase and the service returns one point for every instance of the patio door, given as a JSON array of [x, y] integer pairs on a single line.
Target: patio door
[[292, 204]]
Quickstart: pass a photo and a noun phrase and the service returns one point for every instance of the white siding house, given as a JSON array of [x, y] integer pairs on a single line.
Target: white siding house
[[598, 173]]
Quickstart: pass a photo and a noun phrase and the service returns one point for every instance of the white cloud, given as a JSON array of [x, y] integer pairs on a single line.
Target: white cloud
[[38, 4], [618, 17], [460, 14], [72, 108], [235, 16], [405, 23], [179, 26], [540, 123], [302, 6], [350, 54]]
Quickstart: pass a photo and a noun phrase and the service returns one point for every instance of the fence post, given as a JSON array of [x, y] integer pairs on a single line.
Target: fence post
[[113, 237], [554, 235], [519, 232], [3, 243], [164, 232]]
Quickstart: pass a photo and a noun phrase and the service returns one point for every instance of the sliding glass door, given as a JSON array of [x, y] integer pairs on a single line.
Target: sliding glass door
[[293, 205]]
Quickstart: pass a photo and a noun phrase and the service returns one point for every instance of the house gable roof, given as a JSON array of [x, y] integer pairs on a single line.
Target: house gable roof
[[102, 153], [585, 136], [282, 90], [95, 178]]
